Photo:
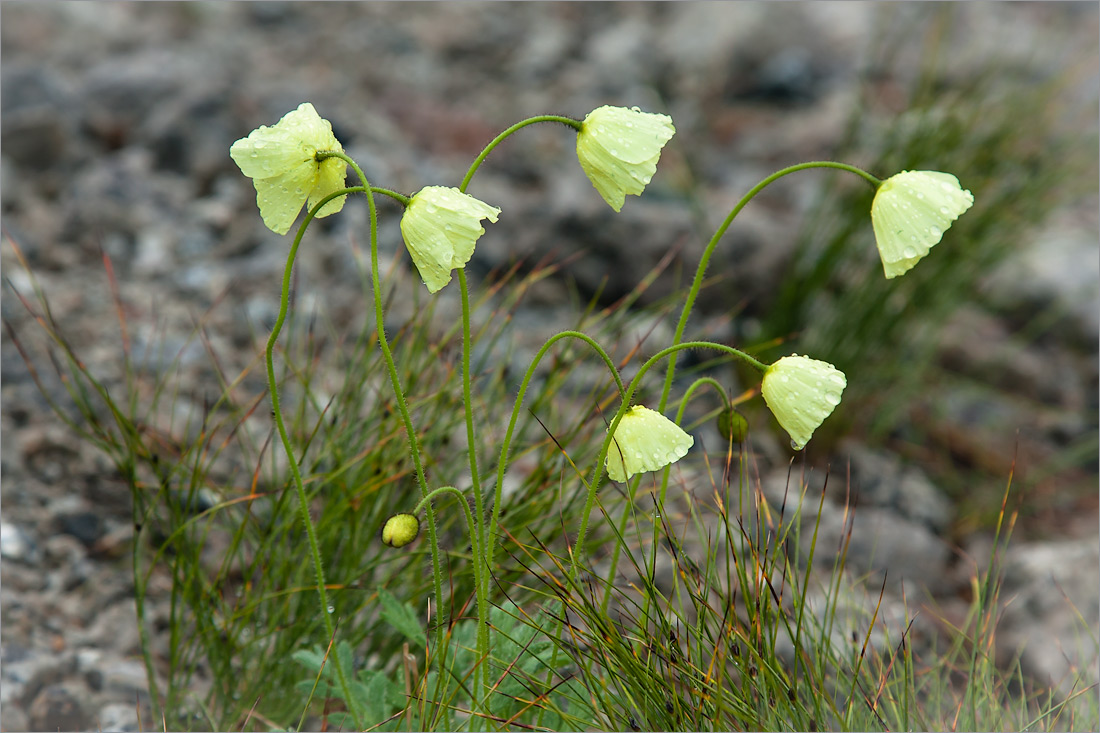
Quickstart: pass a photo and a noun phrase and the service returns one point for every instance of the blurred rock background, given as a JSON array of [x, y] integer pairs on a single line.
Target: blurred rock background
[[116, 124]]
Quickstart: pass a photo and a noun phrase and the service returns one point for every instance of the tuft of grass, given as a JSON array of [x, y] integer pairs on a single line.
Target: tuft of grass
[[716, 621], [734, 632], [213, 518]]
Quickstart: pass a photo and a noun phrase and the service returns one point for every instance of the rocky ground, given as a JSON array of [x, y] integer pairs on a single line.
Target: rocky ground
[[116, 124]]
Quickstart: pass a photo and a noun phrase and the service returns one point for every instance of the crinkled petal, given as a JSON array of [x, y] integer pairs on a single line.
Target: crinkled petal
[[305, 124], [268, 152], [910, 213], [609, 178], [281, 197], [645, 440]]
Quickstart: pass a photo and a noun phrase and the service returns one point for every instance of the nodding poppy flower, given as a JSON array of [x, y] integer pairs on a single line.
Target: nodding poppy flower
[[440, 227], [282, 162], [645, 440], [910, 213], [618, 149], [801, 392]]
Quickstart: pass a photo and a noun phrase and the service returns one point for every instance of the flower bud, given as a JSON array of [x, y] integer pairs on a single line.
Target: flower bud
[[400, 530], [732, 425]]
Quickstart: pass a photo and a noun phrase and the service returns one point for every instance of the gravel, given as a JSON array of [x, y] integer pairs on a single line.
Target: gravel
[[117, 120]]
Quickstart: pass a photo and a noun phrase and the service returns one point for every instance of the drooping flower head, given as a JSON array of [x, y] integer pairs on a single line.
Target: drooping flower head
[[400, 530], [618, 149], [801, 393], [440, 226], [281, 161], [645, 440], [910, 213]]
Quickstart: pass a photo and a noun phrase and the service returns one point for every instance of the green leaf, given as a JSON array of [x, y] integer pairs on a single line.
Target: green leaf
[[402, 617], [309, 658]]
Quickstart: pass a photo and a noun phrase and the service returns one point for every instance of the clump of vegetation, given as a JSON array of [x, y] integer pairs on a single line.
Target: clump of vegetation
[[288, 512]]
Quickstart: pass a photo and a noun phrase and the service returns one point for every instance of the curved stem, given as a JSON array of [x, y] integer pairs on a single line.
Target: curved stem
[[698, 384], [303, 501], [661, 493], [506, 444], [700, 271], [575, 124], [477, 527], [399, 396], [479, 571], [598, 469], [478, 534], [435, 493]]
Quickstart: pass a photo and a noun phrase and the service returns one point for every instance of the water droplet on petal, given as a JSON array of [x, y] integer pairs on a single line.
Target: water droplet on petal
[[795, 445]]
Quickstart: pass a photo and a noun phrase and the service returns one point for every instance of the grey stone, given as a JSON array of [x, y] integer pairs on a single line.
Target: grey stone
[[883, 547], [59, 707], [17, 544], [119, 717], [86, 526], [1051, 618], [36, 126], [126, 677], [880, 480], [13, 718], [1061, 268], [892, 522]]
